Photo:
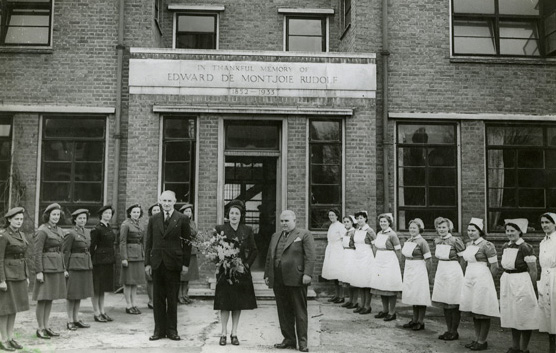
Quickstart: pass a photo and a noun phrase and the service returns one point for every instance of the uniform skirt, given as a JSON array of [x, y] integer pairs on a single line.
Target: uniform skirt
[[103, 278], [363, 260], [193, 272], [547, 300], [15, 298], [235, 296], [53, 287], [333, 258], [416, 290], [80, 284], [133, 274], [447, 284], [478, 294], [518, 302], [347, 266], [386, 274]]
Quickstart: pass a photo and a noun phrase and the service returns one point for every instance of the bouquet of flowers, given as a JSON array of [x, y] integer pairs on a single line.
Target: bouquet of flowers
[[223, 252]]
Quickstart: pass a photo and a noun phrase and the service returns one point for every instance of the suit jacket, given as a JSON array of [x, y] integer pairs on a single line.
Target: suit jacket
[[298, 258], [103, 241], [131, 241], [47, 252], [76, 249], [170, 246], [14, 247]]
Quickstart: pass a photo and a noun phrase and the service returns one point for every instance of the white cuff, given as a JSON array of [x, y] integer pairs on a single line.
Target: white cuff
[[493, 259]]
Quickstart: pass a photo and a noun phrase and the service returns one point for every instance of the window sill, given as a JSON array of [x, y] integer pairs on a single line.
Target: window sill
[[27, 50], [498, 60]]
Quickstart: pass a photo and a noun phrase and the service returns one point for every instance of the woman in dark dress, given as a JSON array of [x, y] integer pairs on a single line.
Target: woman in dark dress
[[80, 267], [50, 282], [154, 209], [193, 273], [234, 296], [14, 276], [103, 241], [133, 256]]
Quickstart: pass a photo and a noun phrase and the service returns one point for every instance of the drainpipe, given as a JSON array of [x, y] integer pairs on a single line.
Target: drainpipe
[[118, 116], [385, 53]]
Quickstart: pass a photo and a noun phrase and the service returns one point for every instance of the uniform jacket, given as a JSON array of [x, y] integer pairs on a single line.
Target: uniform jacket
[[76, 249], [246, 239], [14, 265], [171, 245], [103, 241], [131, 241], [48, 249], [298, 258]]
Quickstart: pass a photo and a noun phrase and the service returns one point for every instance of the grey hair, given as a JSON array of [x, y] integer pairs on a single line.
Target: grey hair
[[288, 213], [167, 192]]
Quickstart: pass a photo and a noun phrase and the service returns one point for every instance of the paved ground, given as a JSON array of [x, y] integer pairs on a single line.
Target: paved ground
[[332, 329]]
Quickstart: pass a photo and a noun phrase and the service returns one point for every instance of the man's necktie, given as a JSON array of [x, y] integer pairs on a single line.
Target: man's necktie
[[166, 219]]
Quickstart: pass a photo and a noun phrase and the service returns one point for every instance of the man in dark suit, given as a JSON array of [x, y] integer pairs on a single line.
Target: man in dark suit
[[288, 270], [167, 254]]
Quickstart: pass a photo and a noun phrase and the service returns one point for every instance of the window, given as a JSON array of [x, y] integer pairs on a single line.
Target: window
[[306, 34], [521, 173], [178, 157], [72, 163], [345, 12], [158, 13], [5, 162], [25, 22], [522, 28], [325, 170], [252, 135], [196, 31], [427, 173]]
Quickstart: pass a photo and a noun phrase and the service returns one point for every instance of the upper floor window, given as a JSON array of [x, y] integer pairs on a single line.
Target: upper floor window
[[25, 22], [427, 182], [523, 28], [521, 173], [306, 34], [158, 12], [345, 13], [5, 161], [196, 31]]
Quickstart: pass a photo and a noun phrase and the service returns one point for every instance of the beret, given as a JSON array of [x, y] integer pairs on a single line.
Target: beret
[[104, 208], [185, 207], [53, 206], [13, 211], [80, 211]]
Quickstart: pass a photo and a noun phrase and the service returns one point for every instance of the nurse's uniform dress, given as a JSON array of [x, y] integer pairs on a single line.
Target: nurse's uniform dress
[[416, 290], [448, 279], [363, 260], [386, 275], [347, 265], [547, 284], [518, 302], [478, 294], [333, 257]]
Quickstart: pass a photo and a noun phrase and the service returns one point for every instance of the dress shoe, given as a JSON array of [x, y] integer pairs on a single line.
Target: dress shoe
[[234, 340], [331, 300], [6, 347], [469, 345], [222, 340], [42, 334], [71, 326], [188, 300], [150, 305], [284, 345], [100, 318], [106, 317], [451, 336], [303, 349], [346, 304], [365, 311], [479, 346], [390, 317], [181, 300], [137, 311], [129, 311], [81, 324], [444, 335], [15, 344], [409, 324], [359, 309], [173, 336], [155, 337], [381, 315], [51, 333], [339, 300], [418, 326]]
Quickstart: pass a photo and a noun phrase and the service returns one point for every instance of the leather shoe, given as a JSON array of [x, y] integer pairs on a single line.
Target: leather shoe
[[331, 300], [222, 341], [346, 304], [303, 349], [381, 315], [234, 340], [15, 344], [444, 335], [339, 300], [129, 311], [106, 317], [137, 311], [71, 326], [155, 337], [6, 347], [284, 345], [479, 346], [451, 336], [150, 305], [418, 326], [390, 317], [365, 311], [409, 324], [469, 345], [359, 309], [81, 324], [42, 334], [100, 318], [51, 333], [173, 337]]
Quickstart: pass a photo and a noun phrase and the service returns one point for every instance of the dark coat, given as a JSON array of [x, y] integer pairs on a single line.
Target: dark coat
[[103, 241], [246, 239]]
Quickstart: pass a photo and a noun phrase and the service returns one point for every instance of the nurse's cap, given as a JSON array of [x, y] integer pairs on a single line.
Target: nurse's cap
[[419, 222], [521, 223], [80, 211], [352, 217], [477, 222], [53, 206], [387, 216], [13, 211], [550, 216]]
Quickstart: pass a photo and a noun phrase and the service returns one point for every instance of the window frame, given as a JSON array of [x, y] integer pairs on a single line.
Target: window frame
[[5, 198], [7, 7], [325, 29], [158, 14], [345, 14], [216, 16]]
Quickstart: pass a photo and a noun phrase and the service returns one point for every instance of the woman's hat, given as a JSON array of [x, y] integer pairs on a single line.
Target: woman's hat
[[419, 222], [550, 215], [361, 213], [13, 211], [80, 211], [236, 203], [153, 206], [388, 216], [128, 210], [53, 206], [352, 217], [521, 223], [478, 222], [104, 208], [185, 207]]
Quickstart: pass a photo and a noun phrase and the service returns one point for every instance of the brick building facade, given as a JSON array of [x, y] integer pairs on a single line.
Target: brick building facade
[[103, 102]]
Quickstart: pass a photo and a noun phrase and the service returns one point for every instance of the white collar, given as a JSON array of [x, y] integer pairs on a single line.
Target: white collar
[[365, 227], [387, 230], [415, 238], [447, 236], [170, 213], [478, 241], [519, 241], [550, 236]]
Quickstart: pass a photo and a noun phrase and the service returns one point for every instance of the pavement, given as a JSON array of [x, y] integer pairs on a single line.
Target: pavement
[[331, 329]]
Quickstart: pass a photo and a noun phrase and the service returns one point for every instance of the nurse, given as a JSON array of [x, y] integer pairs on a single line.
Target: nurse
[[416, 290], [547, 284], [333, 257], [363, 238], [478, 294], [347, 263], [518, 302]]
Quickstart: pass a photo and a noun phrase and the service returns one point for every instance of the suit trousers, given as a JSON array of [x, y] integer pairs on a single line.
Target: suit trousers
[[166, 285], [291, 302]]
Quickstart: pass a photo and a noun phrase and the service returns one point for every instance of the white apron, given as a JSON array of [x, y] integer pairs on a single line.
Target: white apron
[[478, 294], [415, 289], [347, 265], [448, 278], [547, 300], [386, 274], [363, 261], [333, 257]]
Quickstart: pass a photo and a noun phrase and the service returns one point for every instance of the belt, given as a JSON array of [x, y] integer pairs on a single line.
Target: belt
[[80, 251], [385, 249], [515, 271], [134, 241], [55, 249], [15, 256], [349, 248], [446, 260]]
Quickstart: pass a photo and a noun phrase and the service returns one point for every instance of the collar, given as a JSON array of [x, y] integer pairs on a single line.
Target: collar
[[349, 230], [447, 236], [415, 238], [365, 227], [106, 224], [478, 241], [81, 229], [550, 236], [134, 221], [387, 230], [170, 213], [13, 230], [51, 226], [519, 241]]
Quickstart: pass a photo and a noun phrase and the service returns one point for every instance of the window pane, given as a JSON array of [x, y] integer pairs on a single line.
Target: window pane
[[325, 174], [178, 151], [28, 27], [501, 197], [501, 158], [499, 178], [182, 191], [551, 136], [4, 172], [518, 7], [249, 136], [74, 127], [319, 217], [531, 198], [312, 44], [188, 23], [57, 151], [530, 159], [423, 134], [474, 6], [325, 194], [519, 38], [326, 154], [551, 195], [89, 151], [177, 172], [412, 156], [551, 178], [474, 37], [55, 192], [514, 136], [305, 26], [57, 172], [550, 158], [530, 178], [442, 196], [5, 130], [412, 176], [88, 171], [196, 41], [5, 149], [442, 177], [410, 196], [324, 130], [87, 192], [442, 157], [179, 128]]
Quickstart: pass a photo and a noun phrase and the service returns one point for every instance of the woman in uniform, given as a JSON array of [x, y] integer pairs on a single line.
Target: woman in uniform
[[448, 279], [478, 294], [50, 282], [193, 273], [363, 260], [387, 275], [102, 252], [416, 290], [80, 267], [133, 256], [518, 301], [347, 263], [234, 295], [334, 253], [547, 283], [14, 276], [154, 209]]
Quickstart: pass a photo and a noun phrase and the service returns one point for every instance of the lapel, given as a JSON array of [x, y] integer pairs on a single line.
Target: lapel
[[173, 222], [273, 243], [291, 237], [159, 221]]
